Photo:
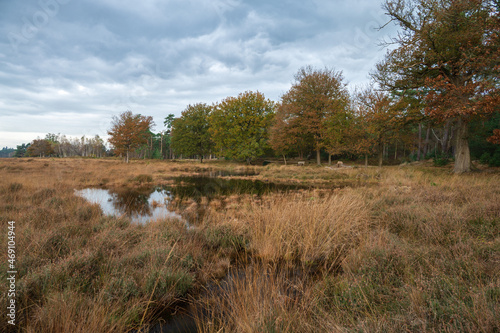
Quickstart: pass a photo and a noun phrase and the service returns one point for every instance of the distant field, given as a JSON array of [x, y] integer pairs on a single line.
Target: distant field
[[397, 249]]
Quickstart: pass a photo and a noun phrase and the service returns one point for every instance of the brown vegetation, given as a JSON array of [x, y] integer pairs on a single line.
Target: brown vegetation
[[394, 249]]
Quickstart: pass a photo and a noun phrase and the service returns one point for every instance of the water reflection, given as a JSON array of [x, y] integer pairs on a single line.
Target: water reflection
[[196, 187], [140, 205], [149, 204]]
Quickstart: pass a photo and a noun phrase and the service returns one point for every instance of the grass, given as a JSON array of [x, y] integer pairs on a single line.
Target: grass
[[410, 248]]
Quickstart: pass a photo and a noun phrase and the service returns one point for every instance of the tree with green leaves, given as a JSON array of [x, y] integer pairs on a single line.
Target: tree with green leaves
[[190, 135], [448, 51], [21, 150], [129, 132], [239, 126], [167, 136]]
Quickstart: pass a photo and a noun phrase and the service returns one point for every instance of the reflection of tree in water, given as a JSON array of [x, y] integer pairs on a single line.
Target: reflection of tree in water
[[133, 201], [197, 187]]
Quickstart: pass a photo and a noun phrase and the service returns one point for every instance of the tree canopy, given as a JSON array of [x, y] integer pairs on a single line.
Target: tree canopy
[[448, 51], [239, 125], [190, 134], [129, 132], [312, 101], [40, 148]]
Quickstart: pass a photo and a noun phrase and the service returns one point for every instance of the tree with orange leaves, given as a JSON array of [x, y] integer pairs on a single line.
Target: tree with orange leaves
[[495, 138], [302, 118], [381, 119], [449, 51], [129, 132]]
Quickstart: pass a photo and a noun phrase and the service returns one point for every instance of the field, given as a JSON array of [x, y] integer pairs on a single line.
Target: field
[[399, 249]]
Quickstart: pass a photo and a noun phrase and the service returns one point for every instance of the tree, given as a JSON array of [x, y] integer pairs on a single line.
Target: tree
[[40, 147], [239, 125], [21, 150], [381, 119], [449, 52], [168, 137], [190, 134], [129, 132], [7, 152], [314, 98]]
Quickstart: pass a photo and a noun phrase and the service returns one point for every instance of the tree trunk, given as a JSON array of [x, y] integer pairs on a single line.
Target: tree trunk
[[318, 157], [201, 158], [419, 141], [329, 159], [366, 160], [462, 152], [427, 141], [284, 158], [127, 157], [446, 138], [380, 154]]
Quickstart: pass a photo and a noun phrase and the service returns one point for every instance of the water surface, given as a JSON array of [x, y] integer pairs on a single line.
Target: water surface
[[141, 206]]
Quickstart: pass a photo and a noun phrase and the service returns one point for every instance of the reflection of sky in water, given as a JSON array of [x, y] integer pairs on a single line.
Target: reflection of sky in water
[[107, 201]]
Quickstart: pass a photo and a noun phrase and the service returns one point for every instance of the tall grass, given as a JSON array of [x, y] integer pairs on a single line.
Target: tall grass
[[302, 227], [400, 249]]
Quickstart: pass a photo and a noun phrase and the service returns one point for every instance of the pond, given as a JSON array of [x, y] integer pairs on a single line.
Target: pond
[[149, 204], [141, 206]]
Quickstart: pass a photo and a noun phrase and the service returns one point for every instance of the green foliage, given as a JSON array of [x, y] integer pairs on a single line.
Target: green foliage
[[487, 152], [21, 150], [157, 155], [495, 159], [239, 126], [190, 135], [7, 152]]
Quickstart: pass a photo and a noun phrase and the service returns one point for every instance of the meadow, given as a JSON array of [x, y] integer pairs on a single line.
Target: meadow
[[410, 248]]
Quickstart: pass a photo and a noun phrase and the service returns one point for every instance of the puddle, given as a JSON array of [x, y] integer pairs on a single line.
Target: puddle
[[196, 187], [141, 206], [145, 205], [149, 204]]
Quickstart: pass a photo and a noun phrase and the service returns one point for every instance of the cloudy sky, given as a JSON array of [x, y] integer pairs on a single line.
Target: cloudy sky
[[68, 66]]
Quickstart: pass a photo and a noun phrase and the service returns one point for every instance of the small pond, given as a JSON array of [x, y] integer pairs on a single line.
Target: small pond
[[139, 205], [149, 204]]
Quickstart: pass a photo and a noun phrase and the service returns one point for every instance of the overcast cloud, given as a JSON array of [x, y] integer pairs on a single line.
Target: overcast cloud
[[68, 66]]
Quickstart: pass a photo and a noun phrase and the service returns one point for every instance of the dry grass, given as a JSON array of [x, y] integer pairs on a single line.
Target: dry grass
[[81, 271], [303, 227], [419, 252], [411, 249]]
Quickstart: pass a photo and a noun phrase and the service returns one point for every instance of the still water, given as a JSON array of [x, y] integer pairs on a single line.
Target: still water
[[141, 206], [150, 204]]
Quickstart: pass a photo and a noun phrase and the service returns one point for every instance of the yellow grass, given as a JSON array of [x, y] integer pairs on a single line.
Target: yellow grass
[[412, 249]]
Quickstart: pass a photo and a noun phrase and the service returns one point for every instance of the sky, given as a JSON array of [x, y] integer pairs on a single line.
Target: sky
[[69, 66]]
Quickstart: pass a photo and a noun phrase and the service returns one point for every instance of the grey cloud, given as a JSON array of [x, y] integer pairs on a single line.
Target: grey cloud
[[96, 58]]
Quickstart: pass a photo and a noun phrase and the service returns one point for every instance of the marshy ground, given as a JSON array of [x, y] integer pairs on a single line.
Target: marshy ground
[[410, 248]]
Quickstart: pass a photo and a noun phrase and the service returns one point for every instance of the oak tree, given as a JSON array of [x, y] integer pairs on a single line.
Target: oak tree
[[239, 125], [190, 134], [129, 132], [314, 98], [40, 147], [448, 51], [381, 121]]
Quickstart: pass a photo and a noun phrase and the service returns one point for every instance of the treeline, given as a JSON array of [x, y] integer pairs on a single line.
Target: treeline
[[318, 118], [56, 145], [7, 152]]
